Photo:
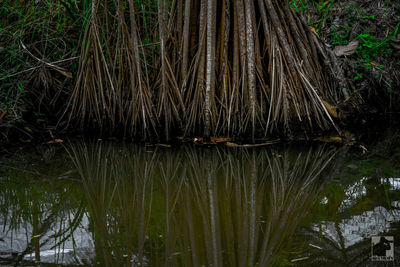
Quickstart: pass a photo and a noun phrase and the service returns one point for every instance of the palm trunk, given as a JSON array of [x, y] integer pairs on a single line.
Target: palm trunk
[[244, 67], [163, 87], [185, 41], [251, 63], [140, 90], [210, 80]]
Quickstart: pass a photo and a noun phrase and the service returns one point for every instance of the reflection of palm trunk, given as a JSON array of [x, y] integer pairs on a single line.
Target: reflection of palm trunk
[[35, 225], [192, 237], [253, 210], [217, 207], [142, 212], [214, 221], [167, 228]]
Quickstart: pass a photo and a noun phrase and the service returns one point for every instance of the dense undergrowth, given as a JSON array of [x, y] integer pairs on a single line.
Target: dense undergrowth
[[41, 42], [38, 50], [374, 67]]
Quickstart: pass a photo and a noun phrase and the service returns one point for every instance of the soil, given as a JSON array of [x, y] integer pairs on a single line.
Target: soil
[[375, 73]]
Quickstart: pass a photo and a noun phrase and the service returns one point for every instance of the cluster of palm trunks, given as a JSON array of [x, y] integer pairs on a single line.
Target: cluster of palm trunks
[[205, 68]]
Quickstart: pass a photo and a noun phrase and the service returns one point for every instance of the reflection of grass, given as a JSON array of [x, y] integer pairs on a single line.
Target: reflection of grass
[[196, 207], [32, 201]]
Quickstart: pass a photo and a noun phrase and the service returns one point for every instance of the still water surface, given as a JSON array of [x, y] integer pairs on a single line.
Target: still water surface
[[112, 204]]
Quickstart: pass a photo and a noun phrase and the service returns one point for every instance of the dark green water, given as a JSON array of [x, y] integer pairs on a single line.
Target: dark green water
[[113, 204]]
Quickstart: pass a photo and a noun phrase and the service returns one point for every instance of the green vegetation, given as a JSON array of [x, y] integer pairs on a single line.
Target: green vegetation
[[306, 7], [11, 103], [370, 47], [38, 41]]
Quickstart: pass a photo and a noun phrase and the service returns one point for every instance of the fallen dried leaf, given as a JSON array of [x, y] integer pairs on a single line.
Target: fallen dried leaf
[[28, 129], [220, 139], [313, 30], [163, 145], [2, 115], [364, 149], [330, 139], [55, 141], [331, 109], [198, 139], [346, 50], [300, 259], [314, 246], [229, 144]]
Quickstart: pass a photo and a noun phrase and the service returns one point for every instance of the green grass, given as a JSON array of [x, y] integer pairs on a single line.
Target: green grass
[[321, 8], [371, 47], [33, 32], [11, 103]]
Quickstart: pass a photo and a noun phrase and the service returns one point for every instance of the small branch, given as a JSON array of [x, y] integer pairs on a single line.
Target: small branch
[[230, 144], [52, 65]]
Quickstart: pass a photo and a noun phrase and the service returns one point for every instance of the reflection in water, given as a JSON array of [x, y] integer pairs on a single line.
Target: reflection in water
[[196, 207], [38, 220], [368, 208], [109, 204]]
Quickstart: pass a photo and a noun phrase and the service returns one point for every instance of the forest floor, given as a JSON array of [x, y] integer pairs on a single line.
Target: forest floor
[[365, 32], [370, 31]]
